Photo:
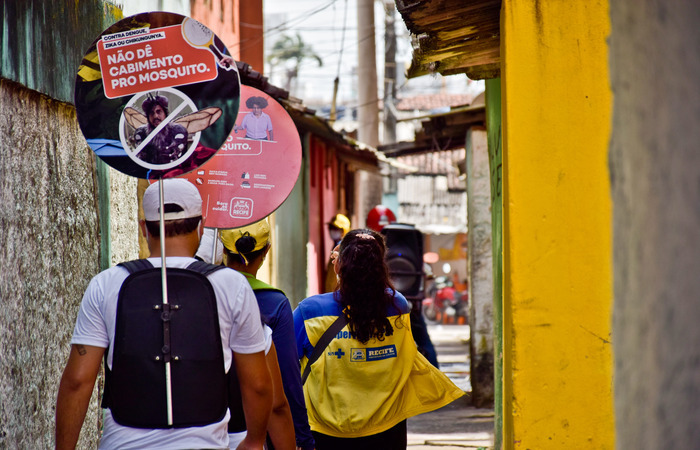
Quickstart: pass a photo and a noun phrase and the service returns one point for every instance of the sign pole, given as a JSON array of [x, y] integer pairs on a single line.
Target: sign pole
[[202, 89], [215, 242], [164, 282]]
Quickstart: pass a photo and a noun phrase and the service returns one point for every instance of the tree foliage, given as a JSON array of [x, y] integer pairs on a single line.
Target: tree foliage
[[290, 52]]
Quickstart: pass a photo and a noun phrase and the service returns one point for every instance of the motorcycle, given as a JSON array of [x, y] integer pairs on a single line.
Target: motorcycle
[[445, 304]]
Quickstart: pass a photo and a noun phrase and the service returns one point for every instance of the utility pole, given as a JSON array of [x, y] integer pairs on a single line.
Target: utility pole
[[389, 72], [368, 108]]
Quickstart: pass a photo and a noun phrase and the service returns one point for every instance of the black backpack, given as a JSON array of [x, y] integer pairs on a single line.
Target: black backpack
[[184, 332]]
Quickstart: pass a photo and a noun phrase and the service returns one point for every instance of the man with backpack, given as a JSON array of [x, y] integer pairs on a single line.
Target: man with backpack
[[167, 363]]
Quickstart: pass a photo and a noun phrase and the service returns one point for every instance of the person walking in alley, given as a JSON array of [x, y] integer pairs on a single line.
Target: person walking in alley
[[245, 250], [337, 227], [149, 350], [365, 374]]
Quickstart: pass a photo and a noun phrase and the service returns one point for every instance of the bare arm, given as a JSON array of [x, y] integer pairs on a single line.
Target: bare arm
[[74, 393], [256, 391], [281, 426]]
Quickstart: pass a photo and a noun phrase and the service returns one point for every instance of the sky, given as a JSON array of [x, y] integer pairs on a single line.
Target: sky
[[330, 28]]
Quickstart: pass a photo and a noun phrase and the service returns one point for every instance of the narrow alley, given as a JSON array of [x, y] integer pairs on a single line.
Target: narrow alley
[[459, 424]]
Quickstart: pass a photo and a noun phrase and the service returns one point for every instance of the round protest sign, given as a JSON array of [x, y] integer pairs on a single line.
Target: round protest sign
[[157, 95], [257, 167]]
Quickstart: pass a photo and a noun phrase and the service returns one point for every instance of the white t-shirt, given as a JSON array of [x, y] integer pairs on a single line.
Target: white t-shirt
[[256, 127], [241, 332], [207, 244], [234, 439]]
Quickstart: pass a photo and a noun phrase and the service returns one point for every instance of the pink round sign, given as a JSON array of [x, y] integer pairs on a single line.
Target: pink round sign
[[255, 170]]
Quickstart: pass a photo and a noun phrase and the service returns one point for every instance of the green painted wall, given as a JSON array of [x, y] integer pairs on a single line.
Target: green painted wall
[[43, 42], [291, 228], [493, 130]]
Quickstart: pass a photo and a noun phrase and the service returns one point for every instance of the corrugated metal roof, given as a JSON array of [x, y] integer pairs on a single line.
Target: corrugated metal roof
[[443, 131], [425, 202], [429, 102], [444, 163]]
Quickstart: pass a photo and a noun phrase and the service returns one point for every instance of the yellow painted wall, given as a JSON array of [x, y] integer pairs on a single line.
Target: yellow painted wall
[[557, 108]]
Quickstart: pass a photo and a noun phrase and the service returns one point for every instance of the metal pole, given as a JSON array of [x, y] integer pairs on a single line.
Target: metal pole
[[164, 283], [214, 245]]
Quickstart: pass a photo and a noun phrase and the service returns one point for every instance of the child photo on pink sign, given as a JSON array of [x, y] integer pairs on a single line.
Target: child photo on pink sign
[[257, 124]]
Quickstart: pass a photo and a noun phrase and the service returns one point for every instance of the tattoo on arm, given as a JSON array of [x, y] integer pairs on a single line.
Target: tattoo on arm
[[81, 349]]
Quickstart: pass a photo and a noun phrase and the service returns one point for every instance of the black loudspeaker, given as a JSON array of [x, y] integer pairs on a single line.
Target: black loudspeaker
[[405, 258]]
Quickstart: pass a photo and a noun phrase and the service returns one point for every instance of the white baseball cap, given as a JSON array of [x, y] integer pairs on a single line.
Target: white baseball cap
[[176, 191]]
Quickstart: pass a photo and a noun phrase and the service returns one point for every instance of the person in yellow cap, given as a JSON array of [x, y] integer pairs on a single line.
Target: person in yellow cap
[[337, 228], [245, 250]]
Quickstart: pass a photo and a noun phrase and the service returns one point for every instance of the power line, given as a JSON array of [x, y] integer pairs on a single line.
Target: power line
[[342, 40], [300, 18], [282, 27], [331, 53], [324, 29]]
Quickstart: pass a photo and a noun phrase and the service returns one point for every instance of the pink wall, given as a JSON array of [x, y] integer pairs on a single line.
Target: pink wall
[[222, 17], [322, 208], [239, 24]]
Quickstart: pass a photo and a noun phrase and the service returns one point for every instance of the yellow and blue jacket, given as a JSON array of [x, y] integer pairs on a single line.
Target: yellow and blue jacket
[[356, 389]]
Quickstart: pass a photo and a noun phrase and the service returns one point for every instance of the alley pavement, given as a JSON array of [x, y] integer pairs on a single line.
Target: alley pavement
[[459, 424]]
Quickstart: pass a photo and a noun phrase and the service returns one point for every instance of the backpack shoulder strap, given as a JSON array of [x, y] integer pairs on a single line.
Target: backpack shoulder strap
[[322, 343], [136, 265], [204, 268]]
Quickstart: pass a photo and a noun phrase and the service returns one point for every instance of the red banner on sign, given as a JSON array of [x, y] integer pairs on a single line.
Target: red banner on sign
[[143, 60], [157, 95]]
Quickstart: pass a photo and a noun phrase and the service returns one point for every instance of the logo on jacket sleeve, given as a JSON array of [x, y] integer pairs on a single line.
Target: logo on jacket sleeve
[[338, 353], [372, 353]]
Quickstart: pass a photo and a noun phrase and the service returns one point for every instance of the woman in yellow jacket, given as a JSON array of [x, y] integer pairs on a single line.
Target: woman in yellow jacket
[[370, 377]]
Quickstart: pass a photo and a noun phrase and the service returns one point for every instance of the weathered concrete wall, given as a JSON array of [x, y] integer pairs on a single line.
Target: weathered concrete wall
[[51, 242], [49, 210], [49, 252], [480, 268], [124, 226], [655, 177], [368, 194]]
